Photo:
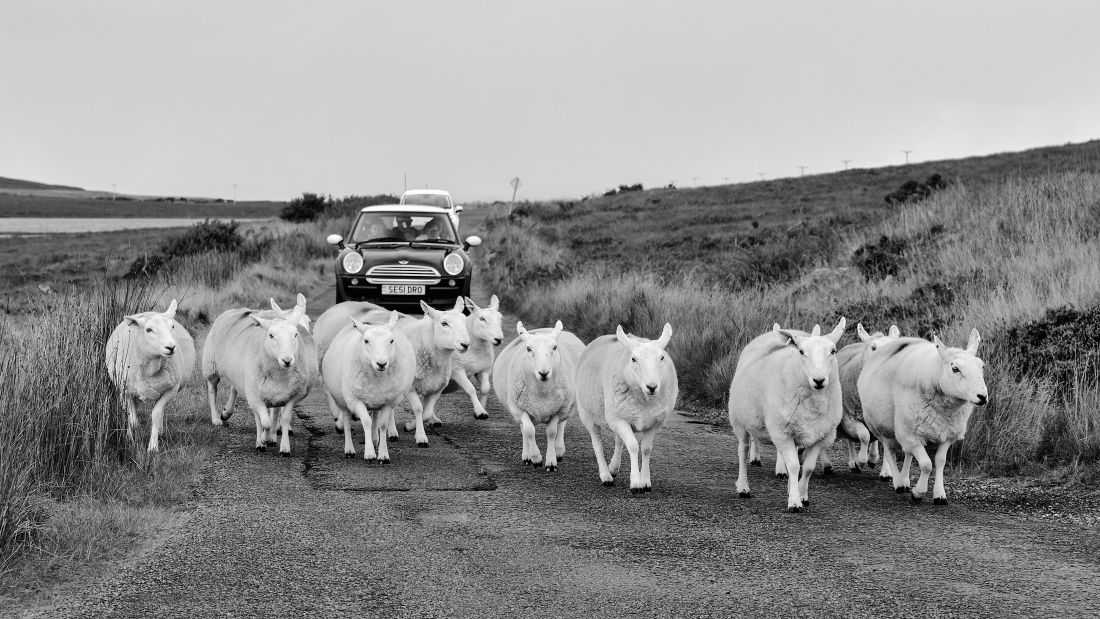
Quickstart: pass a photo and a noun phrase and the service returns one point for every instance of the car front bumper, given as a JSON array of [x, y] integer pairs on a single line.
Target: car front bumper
[[440, 296]]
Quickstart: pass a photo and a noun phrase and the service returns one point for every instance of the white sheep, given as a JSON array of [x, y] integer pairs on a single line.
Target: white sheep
[[628, 385], [272, 362], [916, 393], [483, 325], [535, 379], [434, 338], [786, 392], [335, 320], [852, 427], [368, 369], [149, 357]]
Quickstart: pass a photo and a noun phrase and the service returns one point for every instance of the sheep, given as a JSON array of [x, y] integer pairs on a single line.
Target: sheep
[[916, 393], [335, 320], [368, 368], [273, 362], [149, 357], [786, 391], [535, 379], [852, 428], [628, 385], [483, 325], [434, 338]]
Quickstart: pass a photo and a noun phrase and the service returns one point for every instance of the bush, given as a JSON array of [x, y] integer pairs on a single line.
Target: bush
[[914, 191], [1063, 344], [878, 260], [207, 236], [306, 208]]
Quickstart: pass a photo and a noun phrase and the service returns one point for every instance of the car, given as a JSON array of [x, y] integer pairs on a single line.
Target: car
[[398, 255], [433, 197]]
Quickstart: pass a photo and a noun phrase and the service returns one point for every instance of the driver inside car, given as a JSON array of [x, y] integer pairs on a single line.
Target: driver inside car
[[404, 229]]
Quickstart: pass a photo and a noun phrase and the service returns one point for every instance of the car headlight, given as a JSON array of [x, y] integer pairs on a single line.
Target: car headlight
[[453, 264], [353, 262]]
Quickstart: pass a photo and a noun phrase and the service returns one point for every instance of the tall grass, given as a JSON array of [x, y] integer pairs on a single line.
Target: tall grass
[[986, 256]]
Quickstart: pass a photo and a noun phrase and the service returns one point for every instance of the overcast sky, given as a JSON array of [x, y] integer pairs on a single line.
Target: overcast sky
[[188, 98]]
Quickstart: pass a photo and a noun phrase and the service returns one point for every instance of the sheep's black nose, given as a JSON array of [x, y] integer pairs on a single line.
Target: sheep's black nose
[[981, 399], [170, 349], [819, 383], [651, 388], [381, 365], [497, 341], [463, 347], [544, 375]]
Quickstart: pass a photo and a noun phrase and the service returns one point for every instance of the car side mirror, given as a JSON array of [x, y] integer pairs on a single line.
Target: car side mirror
[[335, 239], [458, 208], [472, 241]]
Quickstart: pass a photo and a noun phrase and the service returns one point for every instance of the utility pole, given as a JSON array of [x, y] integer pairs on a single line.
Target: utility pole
[[761, 174], [845, 163], [234, 193], [725, 179], [695, 180], [802, 170], [907, 155], [405, 186]]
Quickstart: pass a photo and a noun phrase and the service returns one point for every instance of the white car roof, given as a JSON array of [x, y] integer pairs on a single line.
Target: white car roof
[[405, 208], [434, 192]]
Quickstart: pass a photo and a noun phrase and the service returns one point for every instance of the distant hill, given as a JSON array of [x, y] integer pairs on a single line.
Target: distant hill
[[15, 183]]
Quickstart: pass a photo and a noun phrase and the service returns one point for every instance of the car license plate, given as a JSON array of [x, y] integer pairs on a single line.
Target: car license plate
[[403, 289]]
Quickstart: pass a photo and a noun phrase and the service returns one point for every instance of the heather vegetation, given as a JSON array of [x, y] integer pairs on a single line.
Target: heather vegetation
[[1016, 256]]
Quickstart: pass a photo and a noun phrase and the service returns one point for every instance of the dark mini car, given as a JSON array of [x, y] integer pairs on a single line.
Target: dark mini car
[[398, 255]]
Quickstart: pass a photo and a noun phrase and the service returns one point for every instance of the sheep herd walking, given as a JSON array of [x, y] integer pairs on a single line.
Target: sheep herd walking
[[791, 389]]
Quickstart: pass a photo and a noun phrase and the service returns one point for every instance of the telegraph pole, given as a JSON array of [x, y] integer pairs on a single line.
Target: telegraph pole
[[907, 155], [802, 170], [845, 163], [695, 180], [234, 193], [761, 174]]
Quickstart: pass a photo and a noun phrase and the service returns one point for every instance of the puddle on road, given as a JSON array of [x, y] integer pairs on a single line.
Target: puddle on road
[[444, 466]]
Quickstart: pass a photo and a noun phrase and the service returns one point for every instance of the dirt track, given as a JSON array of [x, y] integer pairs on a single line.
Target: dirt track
[[464, 529]]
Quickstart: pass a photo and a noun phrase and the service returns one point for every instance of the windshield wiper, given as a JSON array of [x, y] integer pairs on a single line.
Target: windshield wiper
[[386, 239]]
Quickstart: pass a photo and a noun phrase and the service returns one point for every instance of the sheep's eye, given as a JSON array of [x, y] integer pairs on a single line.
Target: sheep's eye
[[391, 341], [801, 352], [832, 352], [529, 349], [444, 323], [555, 348], [148, 329], [662, 358], [271, 335], [633, 359], [482, 319], [956, 369]]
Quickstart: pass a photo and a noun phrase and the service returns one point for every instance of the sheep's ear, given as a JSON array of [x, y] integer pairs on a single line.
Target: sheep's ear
[[171, 311], [494, 303], [895, 331], [623, 338], [838, 330], [394, 317], [558, 328], [470, 305], [816, 332], [301, 302], [775, 326], [275, 306], [458, 304], [862, 333], [132, 320], [788, 338], [359, 326], [519, 328], [972, 344], [263, 322], [429, 310], [940, 347], [666, 335]]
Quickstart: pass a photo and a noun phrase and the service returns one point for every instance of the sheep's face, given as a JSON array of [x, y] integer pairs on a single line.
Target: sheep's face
[[281, 341], [540, 350], [817, 353], [377, 342], [485, 322], [878, 338], [449, 327], [648, 364], [156, 333], [962, 374]]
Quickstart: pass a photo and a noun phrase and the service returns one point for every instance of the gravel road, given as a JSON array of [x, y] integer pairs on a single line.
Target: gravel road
[[464, 529]]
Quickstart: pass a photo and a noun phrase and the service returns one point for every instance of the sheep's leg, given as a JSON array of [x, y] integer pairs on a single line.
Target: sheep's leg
[[284, 425], [626, 435], [872, 449], [754, 452], [809, 461], [889, 464], [131, 415], [559, 445], [381, 425], [391, 428], [907, 459], [646, 444], [853, 456], [552, 428], [597, 448], [417, 408], [781, 464], [925, 464], [212, 397], [486, 389], [458, 375], [939, 495], [531, 454], [157, 424], [901, 483], [826, 462], [616, 455], [427, 412], [337, 414], [229, 402], [788, 452], [368, 430], [744, 455], [261, 431], [272, 433], [345, 423]]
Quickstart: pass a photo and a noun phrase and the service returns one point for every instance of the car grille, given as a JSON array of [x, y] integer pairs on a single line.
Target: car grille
[[402, 274]]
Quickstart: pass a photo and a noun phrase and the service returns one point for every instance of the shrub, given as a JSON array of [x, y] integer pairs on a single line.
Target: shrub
[[1063, 344], [915, 191], [306, 208], [882, 258], [206, 236]]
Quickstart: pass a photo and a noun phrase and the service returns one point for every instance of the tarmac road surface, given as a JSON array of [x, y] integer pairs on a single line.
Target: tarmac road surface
[[464, 529]]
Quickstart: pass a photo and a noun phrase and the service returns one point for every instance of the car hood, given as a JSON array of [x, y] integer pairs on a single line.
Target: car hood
[[373, 254]]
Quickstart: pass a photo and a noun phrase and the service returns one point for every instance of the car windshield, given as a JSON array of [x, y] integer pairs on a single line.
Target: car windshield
[[427, 199], [382, 226]]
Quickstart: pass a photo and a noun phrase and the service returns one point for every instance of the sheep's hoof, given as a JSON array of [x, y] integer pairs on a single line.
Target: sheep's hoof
[[855, 469], [261, 447], [609, 483], [805, 502], [637, 490], [482, 416], [285, 454], [647, 488], [914, 498], [901, 489], [383, 461], [755, 463], [435, 424], [872, 465], [744, 494], [423, 445], [560, 459], [781, 476], [827, 470], [526, 462], [794, 509], [551, 469], [939, 501], [349, 455], [392, 439], [886, 478]]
